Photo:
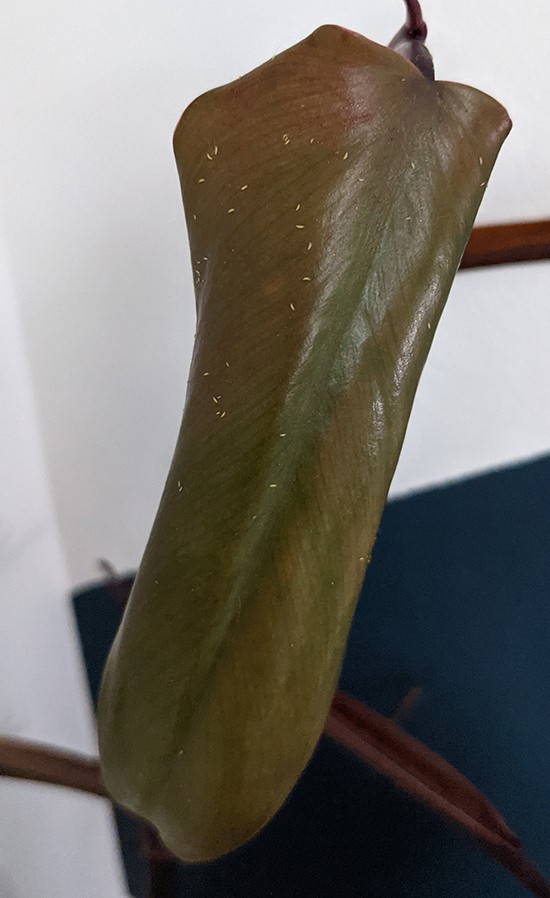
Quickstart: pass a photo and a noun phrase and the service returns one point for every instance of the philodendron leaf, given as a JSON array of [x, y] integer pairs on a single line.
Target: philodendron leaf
[[329, 195]]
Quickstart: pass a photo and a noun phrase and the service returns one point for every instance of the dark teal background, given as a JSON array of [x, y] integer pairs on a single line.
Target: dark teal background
[[456, 601]]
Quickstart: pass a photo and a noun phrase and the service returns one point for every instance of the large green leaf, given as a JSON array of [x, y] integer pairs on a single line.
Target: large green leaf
[[329, 195]]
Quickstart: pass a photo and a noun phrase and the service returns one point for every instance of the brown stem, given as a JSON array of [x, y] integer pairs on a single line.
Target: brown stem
[[416, 26], [24, 760], [40, 763], [526, 241], [430, 779], [409, 40]]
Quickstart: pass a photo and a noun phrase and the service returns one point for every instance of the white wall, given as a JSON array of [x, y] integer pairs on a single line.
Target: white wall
[[483, 398], [90, 93], [54, 843]]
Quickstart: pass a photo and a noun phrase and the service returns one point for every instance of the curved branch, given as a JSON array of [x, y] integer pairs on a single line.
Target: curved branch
[[416, 26], [409, 40]]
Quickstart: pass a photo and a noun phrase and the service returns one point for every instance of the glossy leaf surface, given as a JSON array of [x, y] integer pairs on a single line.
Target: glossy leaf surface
[[329, 195]]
